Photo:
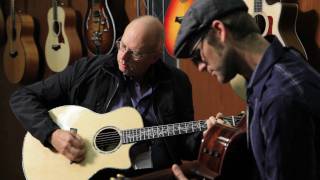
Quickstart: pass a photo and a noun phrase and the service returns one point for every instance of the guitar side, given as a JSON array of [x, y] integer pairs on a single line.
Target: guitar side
[[42, 163], [63, 44], [224, 152]]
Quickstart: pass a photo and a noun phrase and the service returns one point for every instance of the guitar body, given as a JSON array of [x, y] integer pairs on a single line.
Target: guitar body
[[20, 57], [42, 163], [172, 21], [279, 19], [224, 151], [63, 44], [100, 33]]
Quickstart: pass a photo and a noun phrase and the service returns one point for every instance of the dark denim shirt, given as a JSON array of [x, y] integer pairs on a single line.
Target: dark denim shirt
[[284, 115]]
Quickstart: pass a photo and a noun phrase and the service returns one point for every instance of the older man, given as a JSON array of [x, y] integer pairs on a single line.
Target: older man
[[133, 76]]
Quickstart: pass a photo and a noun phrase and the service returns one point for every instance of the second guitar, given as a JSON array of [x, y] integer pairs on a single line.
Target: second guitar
[[63, 43]]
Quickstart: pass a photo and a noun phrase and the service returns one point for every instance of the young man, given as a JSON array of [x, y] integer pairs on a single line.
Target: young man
[[282, 89], [134, 76]]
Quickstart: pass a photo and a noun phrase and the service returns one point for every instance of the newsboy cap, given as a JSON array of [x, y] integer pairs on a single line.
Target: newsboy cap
[[197, 19]]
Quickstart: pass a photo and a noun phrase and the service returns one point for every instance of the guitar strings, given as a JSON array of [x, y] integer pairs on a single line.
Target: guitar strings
[[113, 137]]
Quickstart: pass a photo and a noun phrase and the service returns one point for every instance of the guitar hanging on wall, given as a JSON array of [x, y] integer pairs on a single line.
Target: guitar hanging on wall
[[172, 21], [278, 19], [63, 44], [100, 32], [2, 26], [21, 56]]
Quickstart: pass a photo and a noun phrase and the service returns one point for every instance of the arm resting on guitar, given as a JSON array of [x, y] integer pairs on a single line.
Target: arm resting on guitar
[[31, 103]]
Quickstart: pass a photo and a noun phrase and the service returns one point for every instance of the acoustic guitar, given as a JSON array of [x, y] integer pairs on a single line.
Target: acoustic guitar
[[100, 33], [278, 19], [20, 57], [63, 44], [223, 155], [108, 139], [225, 152]]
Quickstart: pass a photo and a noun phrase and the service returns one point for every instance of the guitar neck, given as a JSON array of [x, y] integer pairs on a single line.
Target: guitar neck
[[55, 10], [154, 132], [257, 6]]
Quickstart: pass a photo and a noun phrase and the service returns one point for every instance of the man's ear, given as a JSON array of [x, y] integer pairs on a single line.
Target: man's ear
[[221, 31]]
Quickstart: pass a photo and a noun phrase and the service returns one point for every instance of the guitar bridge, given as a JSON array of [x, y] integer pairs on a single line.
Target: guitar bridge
[[13, 54]]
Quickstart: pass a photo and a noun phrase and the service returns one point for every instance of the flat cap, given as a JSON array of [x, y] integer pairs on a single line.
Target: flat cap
[[196, 20]]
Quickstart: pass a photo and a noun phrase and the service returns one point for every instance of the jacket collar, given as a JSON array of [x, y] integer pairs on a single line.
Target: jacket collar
[[271, 56]]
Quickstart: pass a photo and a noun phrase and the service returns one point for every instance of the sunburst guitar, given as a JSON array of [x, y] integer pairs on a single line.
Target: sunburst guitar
[[278, 19], [63, 44], [172, 21], [100, 32]]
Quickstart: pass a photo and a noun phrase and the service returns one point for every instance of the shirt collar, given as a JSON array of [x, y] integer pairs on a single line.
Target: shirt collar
[[260, 74]]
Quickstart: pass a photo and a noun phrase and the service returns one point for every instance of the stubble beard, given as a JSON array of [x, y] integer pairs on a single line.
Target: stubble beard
[[229, 68]]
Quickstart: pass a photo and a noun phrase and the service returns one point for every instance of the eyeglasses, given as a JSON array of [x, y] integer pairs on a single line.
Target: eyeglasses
[[135, 55], [196, 56]]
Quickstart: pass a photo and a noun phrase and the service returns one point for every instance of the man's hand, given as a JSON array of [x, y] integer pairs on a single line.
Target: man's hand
[[213, 120], [69, 144], [178, 172]]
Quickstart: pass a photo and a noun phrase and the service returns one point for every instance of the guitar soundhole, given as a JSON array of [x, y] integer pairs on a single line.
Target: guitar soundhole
[[56, 27], [107, 140], [261, 22]]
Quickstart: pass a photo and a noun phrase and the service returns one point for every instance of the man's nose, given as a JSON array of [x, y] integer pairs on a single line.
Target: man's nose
[[125, 55]]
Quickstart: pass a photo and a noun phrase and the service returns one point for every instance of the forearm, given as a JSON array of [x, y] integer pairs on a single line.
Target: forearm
[[33, 114]]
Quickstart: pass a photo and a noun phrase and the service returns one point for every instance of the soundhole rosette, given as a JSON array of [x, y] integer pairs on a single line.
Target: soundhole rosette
[[107, 140]]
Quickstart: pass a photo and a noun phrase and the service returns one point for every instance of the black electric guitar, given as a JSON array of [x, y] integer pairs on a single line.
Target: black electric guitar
[[108, 138]]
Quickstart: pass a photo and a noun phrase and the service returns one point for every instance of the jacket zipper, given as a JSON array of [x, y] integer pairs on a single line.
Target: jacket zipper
[[114, 92]]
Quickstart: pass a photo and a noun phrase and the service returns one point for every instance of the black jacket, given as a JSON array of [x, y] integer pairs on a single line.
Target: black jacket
[[92, 83]]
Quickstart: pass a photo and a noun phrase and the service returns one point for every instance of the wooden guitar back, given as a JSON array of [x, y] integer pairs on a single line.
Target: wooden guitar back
[[21, 57]]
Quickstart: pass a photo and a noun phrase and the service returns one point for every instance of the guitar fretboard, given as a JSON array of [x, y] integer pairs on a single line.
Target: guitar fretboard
[[55, 10], [153, 132], [257, 5]]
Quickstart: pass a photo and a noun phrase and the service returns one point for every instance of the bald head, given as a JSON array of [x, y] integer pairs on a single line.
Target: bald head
[[148, 31]]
